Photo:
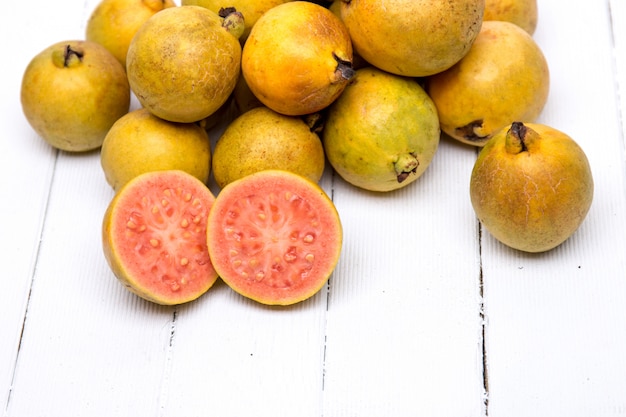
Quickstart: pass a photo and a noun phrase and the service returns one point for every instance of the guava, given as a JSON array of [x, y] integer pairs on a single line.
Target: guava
[[261, 139], [113, 23], [72, 92], [251, 10], [415, 38], [154, 237], [274, 237], [183, 63], [523, 13], [503, 78], [140, 142], [298, 58], [382, 133], [531, 187]]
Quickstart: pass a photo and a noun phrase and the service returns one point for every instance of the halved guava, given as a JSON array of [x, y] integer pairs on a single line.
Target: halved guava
[[154, 237], [274, 237]]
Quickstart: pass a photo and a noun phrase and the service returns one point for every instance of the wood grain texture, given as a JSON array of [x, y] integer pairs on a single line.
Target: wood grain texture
[[426, 314]]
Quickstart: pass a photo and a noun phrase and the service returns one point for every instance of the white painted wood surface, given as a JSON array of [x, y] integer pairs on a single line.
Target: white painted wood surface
[[425, 315]]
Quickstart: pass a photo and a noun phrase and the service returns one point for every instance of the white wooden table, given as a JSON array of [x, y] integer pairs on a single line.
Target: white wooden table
[[425, 315]]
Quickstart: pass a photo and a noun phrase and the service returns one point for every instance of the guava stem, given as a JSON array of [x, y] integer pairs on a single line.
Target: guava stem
[[519, 138], [68, 57], [233, 22], [344, 68], [405, 165]]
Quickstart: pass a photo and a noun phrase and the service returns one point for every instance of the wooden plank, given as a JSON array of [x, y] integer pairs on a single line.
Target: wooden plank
[[404, 326], [26, 171], [234, 357], [89, 346], [555, 338]]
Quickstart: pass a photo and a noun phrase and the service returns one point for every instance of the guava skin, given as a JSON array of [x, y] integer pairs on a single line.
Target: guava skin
[[251, 10], [298, 58], [415, 38], [139, 142], [261, 139], [113, 23], [531, 187], [382, 133], [182, 64], [72, 92], [523, 13], [503, 78]]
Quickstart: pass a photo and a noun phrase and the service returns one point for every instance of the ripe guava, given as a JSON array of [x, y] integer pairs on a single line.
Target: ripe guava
[[261, 139], [154, 237], [140, 142], [531, 186], [503, 78], [382, 133], [72, 92], [183, 63], [298, 58], [274, 237], [113, 23], [415, 38]]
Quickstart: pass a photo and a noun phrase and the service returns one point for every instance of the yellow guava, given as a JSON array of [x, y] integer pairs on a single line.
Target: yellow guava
[[141, 142], [298, 58], [262, 139], [504, 78], [383, 131], [531, 186], [113, 23], [413, 38], [183, 63]]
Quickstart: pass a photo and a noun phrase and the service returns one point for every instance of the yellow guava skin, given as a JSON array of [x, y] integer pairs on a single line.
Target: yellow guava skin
[[298, 58], [383, 131], [503, 78], [523, 13], [252, 10], [72, 92], [113, 23], [263, 139], [182, 64], [140, 142], [414, 38], [531, 187]]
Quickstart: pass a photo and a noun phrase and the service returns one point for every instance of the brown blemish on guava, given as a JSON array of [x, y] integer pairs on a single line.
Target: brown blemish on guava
[[469, 131]]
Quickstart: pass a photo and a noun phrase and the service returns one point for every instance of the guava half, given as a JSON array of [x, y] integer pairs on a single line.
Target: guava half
[[274, 237], [154, 237]]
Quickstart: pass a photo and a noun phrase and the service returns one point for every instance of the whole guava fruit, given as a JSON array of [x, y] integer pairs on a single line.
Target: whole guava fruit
[[140, 142], [72, 92], [382, 133], [183, 62], [531, 186], [113, 23], [503, 78], [415, 38], [261, 139], [298, 58]]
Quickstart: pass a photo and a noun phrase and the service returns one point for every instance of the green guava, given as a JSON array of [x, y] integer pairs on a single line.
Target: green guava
[[274, 237], [154, 237]]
